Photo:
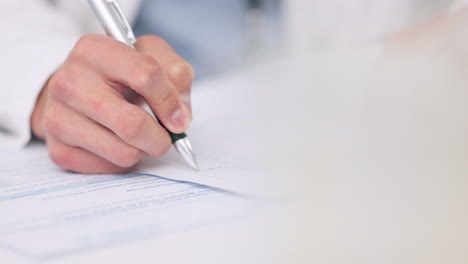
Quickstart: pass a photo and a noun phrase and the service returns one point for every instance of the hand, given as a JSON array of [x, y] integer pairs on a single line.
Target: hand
[[90, 120]]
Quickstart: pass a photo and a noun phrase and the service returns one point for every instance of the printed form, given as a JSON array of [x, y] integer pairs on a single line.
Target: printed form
[[47, 213]]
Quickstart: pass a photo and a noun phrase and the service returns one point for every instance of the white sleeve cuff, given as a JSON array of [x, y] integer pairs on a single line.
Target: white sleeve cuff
[[25, 78], [36, 43]]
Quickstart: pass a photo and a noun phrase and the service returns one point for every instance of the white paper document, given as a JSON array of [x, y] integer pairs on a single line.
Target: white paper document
[[246, 123], [47, 213]]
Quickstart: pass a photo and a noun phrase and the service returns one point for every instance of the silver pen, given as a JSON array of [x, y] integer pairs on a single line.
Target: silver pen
[[116, 26]]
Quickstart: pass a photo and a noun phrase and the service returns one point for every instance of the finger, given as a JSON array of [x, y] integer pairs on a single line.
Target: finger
[[79, 160], [85, 94], [119, 63], [75, 130], [179, 71]]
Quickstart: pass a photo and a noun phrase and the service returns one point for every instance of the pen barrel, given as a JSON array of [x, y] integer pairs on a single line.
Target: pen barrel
[[116, 26], [112, 20], [177, 137]]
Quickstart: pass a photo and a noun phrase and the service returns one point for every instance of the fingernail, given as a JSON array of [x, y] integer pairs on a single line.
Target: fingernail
[[186, 100], [180, 119]]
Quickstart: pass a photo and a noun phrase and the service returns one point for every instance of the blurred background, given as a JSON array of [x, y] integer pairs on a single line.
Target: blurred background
[[217, 36]]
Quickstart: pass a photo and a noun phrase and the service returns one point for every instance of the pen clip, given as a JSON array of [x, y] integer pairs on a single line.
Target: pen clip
[[120, 15]]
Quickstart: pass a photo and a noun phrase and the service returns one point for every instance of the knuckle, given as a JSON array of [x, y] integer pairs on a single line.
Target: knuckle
[[162, 148], [182, 73], [60, 156], [146, 72], [87, 39], [85, 44], [167, 103], [152, 39], [128, 157], [51, 123], [131, 127], [61, 84], [98, 103]]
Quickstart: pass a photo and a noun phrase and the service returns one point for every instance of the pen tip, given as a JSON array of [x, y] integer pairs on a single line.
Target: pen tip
[[193, 163], [184, 148]]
